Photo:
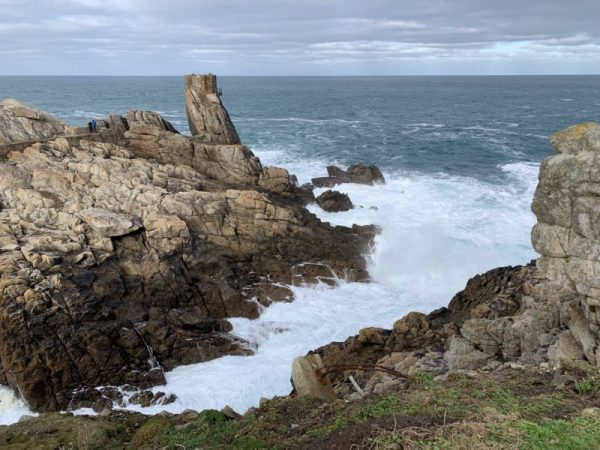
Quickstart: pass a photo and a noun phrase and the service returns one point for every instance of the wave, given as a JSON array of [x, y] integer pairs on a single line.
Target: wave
[[297, 119], [438, 231]]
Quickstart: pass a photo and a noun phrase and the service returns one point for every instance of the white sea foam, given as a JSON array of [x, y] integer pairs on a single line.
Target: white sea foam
[[11, 407], [438, 231]]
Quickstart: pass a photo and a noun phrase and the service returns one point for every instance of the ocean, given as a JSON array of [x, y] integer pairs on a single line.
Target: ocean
[[460, 155]]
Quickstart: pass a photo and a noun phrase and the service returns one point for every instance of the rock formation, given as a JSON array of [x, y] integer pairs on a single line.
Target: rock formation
[[208, 119], [357, 173], [334, 201], [567, 235], [120, 261], [544, 315], [19, 122]]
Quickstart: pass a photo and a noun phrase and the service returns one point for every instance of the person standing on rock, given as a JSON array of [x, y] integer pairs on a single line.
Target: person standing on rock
[[90, 126], [94, 126]]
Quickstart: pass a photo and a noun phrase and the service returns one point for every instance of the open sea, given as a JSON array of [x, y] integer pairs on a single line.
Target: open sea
[[460, 155]]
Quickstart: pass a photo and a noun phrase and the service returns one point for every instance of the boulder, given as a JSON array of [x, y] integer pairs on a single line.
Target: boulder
[[137, 119], [334, 201], [361, 174], [310, 380], [108, 223], [357, 173], [275, 179], [21, 123]]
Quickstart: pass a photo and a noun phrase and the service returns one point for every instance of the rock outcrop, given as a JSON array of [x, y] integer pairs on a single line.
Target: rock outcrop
[[334, 201], [207, 117], [567, 235], [19, 123], [357, 173], [544, 315], [118, 262]]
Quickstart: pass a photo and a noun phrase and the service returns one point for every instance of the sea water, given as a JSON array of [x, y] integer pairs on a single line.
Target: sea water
[[460, 156]]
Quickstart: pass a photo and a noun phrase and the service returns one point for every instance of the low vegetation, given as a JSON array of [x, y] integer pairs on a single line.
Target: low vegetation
[[506, 409]]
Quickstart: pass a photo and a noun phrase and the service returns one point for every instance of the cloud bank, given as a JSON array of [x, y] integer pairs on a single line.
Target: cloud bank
[[281, 37]]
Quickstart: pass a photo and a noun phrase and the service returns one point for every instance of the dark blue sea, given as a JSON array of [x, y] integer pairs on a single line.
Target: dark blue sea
[[460, 156]]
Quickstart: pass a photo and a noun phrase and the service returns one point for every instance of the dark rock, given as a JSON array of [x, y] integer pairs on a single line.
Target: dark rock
[[361, 174], [334, 201], [336, 172], [322, 182], [357, 173]]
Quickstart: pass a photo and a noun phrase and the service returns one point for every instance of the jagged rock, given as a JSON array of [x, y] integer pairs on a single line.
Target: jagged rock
[[334, 201], [566, 204], [136, 119], [361, 174], [275, 179], [357, 173], [336, 172], [565, 349], [122, 259], [309, 379], [207, 117], [462, 355], [21, 123]]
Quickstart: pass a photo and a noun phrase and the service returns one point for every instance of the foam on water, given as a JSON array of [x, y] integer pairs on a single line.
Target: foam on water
[[437, 231], [11, 407]]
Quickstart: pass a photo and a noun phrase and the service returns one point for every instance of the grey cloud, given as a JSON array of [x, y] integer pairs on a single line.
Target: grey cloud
[[291, 37]]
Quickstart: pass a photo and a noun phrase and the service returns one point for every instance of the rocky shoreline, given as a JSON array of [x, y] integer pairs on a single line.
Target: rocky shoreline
[[123, 252], [123, 255]]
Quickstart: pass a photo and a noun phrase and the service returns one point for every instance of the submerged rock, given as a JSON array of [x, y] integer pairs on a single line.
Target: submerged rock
[[334, 201], [357, 173]]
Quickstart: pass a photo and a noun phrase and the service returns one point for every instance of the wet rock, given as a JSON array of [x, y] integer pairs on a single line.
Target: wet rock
[[357, 173], [149, 398], [334, 201], [361, 174]]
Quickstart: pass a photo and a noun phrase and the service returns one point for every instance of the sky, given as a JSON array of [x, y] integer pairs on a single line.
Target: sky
[[299, 37]]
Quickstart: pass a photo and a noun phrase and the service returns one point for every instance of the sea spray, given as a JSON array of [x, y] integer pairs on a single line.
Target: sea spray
[[437, 232]]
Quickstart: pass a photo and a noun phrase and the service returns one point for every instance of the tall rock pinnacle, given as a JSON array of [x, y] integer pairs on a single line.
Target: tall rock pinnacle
[[207, 117]]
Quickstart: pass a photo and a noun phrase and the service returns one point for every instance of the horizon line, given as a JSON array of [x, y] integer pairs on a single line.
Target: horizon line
[[320, 76]]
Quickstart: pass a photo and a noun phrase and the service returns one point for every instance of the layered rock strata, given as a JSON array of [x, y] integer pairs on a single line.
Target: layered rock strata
[[118, 262], [208, 119]]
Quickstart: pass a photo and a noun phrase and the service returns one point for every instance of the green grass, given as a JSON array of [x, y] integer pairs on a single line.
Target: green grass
[[501, 410]]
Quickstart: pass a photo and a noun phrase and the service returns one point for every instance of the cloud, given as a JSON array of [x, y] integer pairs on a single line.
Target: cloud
[[291, 37]]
